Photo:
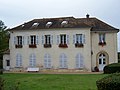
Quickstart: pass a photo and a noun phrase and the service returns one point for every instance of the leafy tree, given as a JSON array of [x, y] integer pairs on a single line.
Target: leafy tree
[[3, 42]]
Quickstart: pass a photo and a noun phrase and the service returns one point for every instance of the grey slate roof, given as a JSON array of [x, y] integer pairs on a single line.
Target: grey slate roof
[[93, 23]]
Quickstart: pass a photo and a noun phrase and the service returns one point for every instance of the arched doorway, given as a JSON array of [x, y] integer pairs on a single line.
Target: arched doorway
[[102, 60]]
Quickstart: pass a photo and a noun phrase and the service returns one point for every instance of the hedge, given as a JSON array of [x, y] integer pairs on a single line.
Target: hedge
[[112, 68], [111, 82]]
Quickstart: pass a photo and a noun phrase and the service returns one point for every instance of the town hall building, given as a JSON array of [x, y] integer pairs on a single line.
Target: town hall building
[[64, 44]]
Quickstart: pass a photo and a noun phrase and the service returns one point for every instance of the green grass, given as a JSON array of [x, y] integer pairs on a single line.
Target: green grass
[[52, 81]]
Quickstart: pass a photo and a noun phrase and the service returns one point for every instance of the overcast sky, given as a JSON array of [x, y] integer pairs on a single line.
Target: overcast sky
[[16, 12]]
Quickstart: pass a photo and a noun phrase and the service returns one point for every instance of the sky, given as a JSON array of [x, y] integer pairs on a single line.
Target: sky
[[16, 12]]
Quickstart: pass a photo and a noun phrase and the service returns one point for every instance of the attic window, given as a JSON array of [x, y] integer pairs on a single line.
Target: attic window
[[48, 24], [35, 24], [22, 25], [64, 22]]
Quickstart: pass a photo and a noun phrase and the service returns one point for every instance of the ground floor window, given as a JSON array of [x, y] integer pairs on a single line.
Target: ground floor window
[[63, 61], [32, 61], [47, 61], [7, 62], [18, 60], [79, 61]]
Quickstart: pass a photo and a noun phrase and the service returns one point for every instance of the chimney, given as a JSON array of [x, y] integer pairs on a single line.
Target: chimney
[[87, 16]]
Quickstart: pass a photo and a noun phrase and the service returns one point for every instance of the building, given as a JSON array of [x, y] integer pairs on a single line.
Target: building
[[61, 44]]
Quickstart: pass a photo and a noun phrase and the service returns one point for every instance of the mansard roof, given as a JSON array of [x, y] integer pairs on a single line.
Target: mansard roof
[[66, 22]]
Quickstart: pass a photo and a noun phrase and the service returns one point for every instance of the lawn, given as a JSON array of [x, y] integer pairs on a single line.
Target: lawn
[[32, 81]]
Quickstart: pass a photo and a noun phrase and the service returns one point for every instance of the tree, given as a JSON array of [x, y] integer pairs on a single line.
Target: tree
[[3, 42]]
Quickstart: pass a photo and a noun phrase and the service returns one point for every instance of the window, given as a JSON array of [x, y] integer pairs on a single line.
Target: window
[[48, 41], [18, 60], [79, 61], [48, 24], [32, 60], [102, 39], [33, 40], [63, 61], [79, 40], [64, 40], [47, 61], [18, 41], [7, 62]]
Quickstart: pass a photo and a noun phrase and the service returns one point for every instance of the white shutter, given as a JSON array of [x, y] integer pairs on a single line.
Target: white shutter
[[67, 39], [51, 39], [83, 38], [74, 39], [15, 40], [58, 39], [23, 40], [42, 39], [28, 40], [37, 40]]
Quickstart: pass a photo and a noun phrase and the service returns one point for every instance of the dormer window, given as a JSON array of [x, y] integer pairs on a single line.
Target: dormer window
[[22, 25], [48, 24], [35, 24], [64, 23]]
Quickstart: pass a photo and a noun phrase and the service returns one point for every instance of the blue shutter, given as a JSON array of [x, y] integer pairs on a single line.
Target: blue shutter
[[83, 38], [15, 40], [42, 39], [37, 40], [67, 39], [74, 39], [58, 39], [28, 40], [23, 40], [51, 39]]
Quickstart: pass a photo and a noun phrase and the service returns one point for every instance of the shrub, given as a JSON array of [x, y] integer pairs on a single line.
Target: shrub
[[1, 83], [111, 82], [112, 68]]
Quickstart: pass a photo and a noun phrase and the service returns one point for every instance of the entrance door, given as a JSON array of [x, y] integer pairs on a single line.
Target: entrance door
[[7, 64], [101, 61]]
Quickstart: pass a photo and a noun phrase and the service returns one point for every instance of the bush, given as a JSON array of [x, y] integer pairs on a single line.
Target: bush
[[111, 82], [1, 83], [112, 68]]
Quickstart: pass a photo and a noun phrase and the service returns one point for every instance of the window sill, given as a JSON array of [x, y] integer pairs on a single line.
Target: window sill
[[32, 46], [18, 46], [63, 45], [47, 45], [79, 45]]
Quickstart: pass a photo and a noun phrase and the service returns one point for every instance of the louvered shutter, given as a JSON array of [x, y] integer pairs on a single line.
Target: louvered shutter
[[67, 39], [51, 39], [28, 40], [43, 39], [15, 40], [58, 39], [83, 38], [37, 40], [74, 39], [23, 40]]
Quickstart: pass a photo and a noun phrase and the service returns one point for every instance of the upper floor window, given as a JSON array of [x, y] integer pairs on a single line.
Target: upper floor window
[[63, 40], [47, 40], [18, 41], [33, 40], [79, 40], [102, 39]]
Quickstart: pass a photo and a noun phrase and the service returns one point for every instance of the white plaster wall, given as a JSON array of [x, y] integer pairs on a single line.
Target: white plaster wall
[[110, 48], [55, 51]]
